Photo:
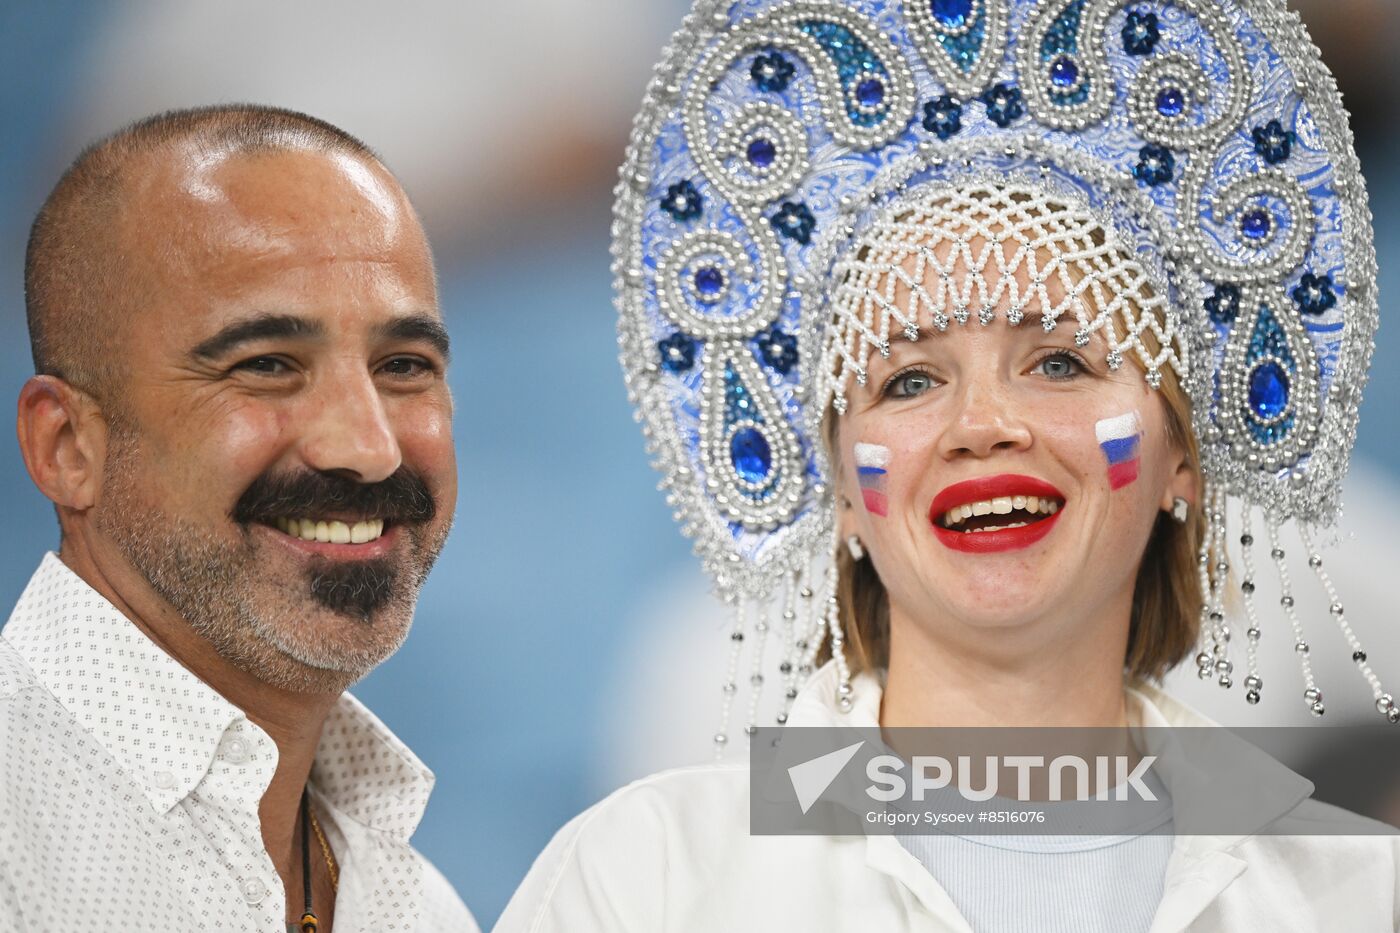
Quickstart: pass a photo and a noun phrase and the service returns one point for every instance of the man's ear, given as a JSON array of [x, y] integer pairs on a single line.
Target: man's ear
[[63, 439]]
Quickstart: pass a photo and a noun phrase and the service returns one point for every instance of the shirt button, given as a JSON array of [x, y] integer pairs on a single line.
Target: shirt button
[[237, 751], [254, 891], [165, 780]]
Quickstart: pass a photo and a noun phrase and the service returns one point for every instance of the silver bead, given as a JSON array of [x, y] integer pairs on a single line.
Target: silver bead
[[1254, 682], [1394, 714], [721, 738], [1312, 695], [1317, 709], [1252, 697], [1225, 681], [1385, 703]]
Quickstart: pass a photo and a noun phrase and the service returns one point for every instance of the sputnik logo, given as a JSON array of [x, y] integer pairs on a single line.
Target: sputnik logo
[[811, 778]]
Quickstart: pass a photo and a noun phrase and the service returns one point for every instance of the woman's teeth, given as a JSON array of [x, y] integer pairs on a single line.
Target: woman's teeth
[[332, 532], [1002, 505]]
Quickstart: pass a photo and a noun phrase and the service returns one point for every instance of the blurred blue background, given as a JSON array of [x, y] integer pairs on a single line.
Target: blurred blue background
[[535, 650]]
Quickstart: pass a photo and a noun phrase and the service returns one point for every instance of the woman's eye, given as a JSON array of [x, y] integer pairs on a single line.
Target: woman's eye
[[1062, 365], [908, 384]]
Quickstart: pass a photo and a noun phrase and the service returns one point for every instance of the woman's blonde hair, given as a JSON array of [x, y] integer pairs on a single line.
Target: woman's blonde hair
[[1167, 595]]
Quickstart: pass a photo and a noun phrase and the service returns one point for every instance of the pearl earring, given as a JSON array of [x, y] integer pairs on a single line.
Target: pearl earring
[[854, 546], [1180, 509]]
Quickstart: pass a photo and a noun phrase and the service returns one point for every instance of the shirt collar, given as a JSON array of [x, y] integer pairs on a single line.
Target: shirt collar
[[159, 721], [163, 725], [1200, 866], [366, 773], [1238, 769]]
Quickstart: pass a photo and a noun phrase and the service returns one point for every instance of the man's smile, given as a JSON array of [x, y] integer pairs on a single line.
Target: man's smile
[[335, 538], [333, 530]]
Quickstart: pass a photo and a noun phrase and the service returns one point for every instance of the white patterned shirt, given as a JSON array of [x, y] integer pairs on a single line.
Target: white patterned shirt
[[129, 790]]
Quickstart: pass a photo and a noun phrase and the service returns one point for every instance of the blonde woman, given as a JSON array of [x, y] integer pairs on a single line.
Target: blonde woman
[[962, 329]]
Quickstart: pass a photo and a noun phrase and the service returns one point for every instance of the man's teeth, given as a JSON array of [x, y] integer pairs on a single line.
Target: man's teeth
[[332, 532], [1001, 505]]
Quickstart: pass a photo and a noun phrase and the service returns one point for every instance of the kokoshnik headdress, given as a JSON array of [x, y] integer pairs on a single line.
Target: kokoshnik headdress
[[1185, 164]]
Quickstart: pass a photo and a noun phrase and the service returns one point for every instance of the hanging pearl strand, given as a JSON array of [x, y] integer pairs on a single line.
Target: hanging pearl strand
[[756, 668], [788, 667], [1311, 695], [838, 637], [1253, 683], [821, 603], [1223, 665], [1385, 704], [731, 687], [1212, 580], [807, 624]]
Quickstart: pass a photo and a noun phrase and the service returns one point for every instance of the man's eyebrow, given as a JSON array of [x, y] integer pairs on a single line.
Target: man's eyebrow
[[256, 328], [419, 327]]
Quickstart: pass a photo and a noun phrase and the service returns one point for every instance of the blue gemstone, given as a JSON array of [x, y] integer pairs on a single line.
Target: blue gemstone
[[951, 13], [1256, 224], [677, 353], [1064, 72], [748, 449], [709, 281], [762, 152], [1170, 102], [870, 92], [1268, 390]]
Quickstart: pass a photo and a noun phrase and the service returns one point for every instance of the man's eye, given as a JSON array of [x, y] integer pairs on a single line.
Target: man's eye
[[908, 384], [406, 366], [1060, 365], [265, 366]]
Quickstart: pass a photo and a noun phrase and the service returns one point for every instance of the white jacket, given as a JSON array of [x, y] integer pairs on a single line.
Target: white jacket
[[672, 852]]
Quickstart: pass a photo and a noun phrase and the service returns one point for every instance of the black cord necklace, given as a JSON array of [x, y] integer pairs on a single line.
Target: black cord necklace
[[308, 923]]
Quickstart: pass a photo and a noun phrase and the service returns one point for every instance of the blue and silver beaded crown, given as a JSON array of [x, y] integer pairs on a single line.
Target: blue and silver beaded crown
[[1206, 134]]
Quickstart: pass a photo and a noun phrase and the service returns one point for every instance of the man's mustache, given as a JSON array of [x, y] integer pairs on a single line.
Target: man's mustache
[[403, 497]]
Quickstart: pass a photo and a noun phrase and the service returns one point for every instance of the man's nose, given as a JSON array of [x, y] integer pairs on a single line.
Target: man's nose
[[349, 431]]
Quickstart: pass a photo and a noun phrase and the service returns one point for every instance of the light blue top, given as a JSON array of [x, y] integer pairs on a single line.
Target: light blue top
[[1049, 884], [1054, 883]]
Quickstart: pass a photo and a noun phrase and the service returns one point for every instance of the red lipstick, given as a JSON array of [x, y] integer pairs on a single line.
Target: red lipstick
[[991, 487]]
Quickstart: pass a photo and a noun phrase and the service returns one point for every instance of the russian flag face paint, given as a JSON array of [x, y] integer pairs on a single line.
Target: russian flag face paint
[[872, 466], [1121, 440]]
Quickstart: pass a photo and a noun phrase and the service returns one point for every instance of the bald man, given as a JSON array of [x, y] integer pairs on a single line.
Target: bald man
[[241, 415]]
